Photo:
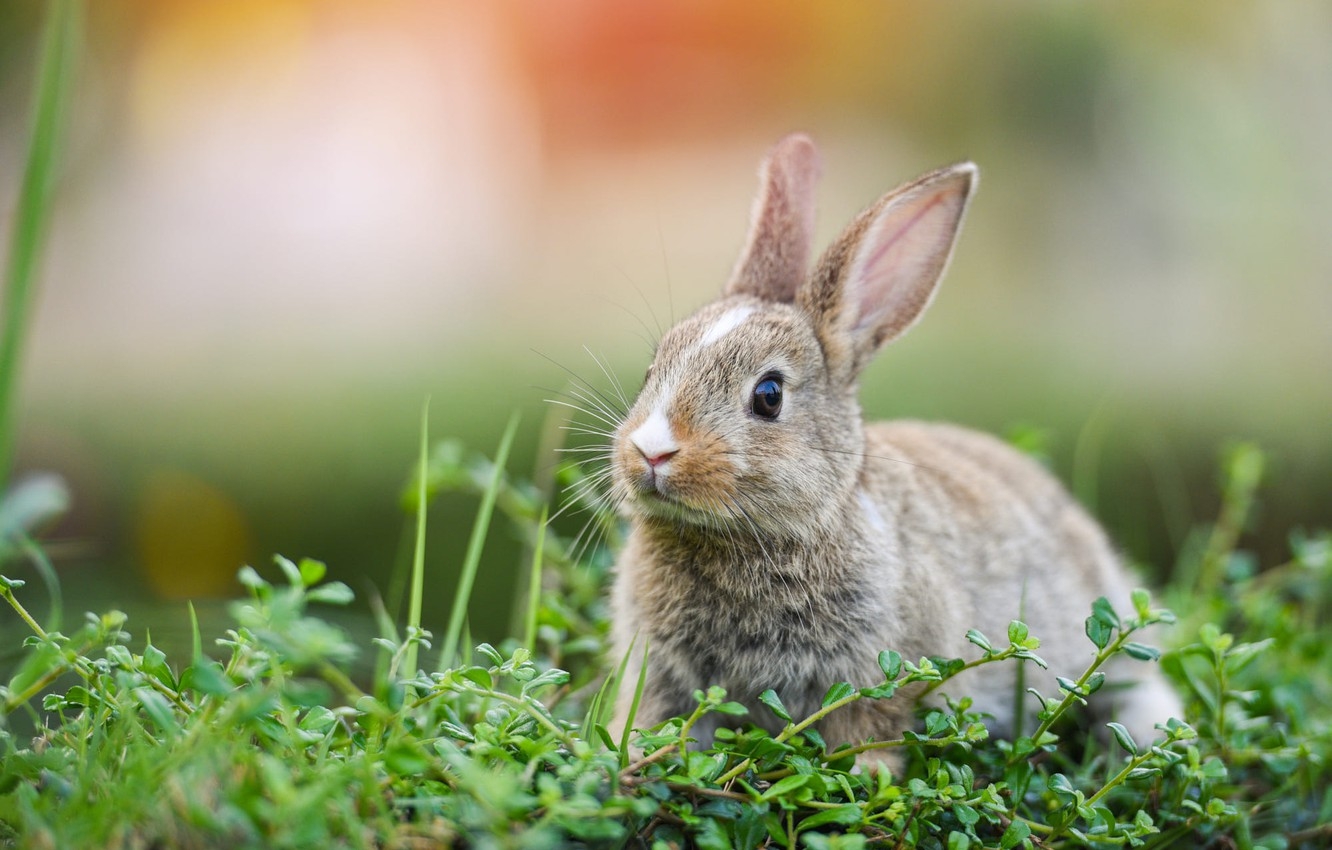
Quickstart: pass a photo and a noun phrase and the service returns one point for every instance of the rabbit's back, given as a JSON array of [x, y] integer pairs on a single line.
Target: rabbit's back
[[993, 537]]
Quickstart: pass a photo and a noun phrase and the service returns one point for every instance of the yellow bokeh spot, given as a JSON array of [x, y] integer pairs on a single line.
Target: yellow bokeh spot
[[256, 47], [191, 537]]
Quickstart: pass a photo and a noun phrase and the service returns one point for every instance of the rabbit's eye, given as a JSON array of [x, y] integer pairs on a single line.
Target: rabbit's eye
[[767, 401]]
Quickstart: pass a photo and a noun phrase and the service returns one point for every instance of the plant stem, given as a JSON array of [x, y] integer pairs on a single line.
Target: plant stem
[[23, 613], [790, 732], [1073, 695]]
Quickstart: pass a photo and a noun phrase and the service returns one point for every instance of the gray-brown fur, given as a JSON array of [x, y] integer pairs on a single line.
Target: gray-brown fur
[[786, 553]]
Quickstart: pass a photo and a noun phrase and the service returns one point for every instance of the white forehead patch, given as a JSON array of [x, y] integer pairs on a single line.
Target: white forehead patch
[[726, 322], [654, 438]]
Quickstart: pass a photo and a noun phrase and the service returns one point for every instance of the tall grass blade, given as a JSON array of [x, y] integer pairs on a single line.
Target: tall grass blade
[[534, 583], [54, 80], [632, 717], [600, 707], [418, 554], [196, 639], [449, 647]]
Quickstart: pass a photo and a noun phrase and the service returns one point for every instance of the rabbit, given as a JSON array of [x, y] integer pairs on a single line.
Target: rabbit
[[778, 541]]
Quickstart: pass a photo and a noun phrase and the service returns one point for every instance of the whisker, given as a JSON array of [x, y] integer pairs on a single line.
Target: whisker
[[577, 399], [875, 457], [582, 410], [578, 379], [610, 376]]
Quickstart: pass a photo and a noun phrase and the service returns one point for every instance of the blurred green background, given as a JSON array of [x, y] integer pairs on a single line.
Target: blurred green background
[[282, 224]]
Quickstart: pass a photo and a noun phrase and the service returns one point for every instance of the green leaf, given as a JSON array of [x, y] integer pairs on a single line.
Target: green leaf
[[966, 815], [1099, 632], [1059, 784], [289, 569], [154, 664], [1142, 603], [975, 636], [751, 827], [249, 577], [157, 708], [312, 571], [207, 677], [1142, 652], [774, 704], [884, 691], [1017, 832], [837, 692], [553, 676], [890, 663], [1124, 738], [1017, 632], [479, 675], [844, 815], [786, 785], [958, 840], [333, 593]]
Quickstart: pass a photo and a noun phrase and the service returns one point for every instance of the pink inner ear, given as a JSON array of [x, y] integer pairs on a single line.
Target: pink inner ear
[[901, 257]]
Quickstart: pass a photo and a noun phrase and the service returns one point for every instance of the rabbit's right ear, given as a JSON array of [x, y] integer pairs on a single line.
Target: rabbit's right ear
[[775, 259], [874, 282]]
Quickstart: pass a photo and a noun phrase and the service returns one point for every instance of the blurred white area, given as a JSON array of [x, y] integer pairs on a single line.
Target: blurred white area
[[295, 190]]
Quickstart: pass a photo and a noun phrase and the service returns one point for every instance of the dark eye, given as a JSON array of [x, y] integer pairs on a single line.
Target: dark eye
[[767, 401]]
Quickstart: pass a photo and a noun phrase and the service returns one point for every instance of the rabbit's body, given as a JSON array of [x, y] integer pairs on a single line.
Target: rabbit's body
[[778, 542]]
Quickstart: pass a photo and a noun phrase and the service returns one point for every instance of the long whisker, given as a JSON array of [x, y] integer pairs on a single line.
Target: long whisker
[[578, 379], [610, 376], [582, 410], [587, 404], [875, 457]]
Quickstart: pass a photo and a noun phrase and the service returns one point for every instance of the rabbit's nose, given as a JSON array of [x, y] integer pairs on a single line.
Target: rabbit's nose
[[655, 461], [654, 440]]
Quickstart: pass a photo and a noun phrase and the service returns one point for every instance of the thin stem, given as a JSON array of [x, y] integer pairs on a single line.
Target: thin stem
[[8, 593], [1075, 694], [791, 731]]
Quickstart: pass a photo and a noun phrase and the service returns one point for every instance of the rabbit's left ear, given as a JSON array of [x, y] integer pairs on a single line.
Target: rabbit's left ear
[[876, 280], [776, 255]]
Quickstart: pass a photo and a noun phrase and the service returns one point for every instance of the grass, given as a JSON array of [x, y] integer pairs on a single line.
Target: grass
[[31, 220], [259, 739]]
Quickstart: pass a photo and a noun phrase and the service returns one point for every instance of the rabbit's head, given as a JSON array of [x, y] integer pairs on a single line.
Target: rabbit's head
[[748, 421]]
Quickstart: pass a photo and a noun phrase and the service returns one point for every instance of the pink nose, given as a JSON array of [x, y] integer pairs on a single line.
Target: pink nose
[[657, 460]]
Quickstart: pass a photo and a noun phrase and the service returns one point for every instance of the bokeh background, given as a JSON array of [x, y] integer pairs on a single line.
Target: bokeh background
[[282, 224]]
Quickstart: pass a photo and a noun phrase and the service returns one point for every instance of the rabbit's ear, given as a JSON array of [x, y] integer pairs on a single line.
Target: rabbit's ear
[[776, 255], [874, 282]]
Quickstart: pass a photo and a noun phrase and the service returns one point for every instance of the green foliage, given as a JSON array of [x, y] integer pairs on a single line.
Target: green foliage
[[271, 744]]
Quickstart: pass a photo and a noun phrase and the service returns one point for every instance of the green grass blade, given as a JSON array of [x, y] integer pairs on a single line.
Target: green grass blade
[[449, 647], [632, 717], [418, 554], [534, 584], [603, 702], [196, 640], [54, 80]]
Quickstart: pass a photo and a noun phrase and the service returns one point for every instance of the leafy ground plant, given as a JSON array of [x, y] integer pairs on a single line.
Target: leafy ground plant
[[260, 739]]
